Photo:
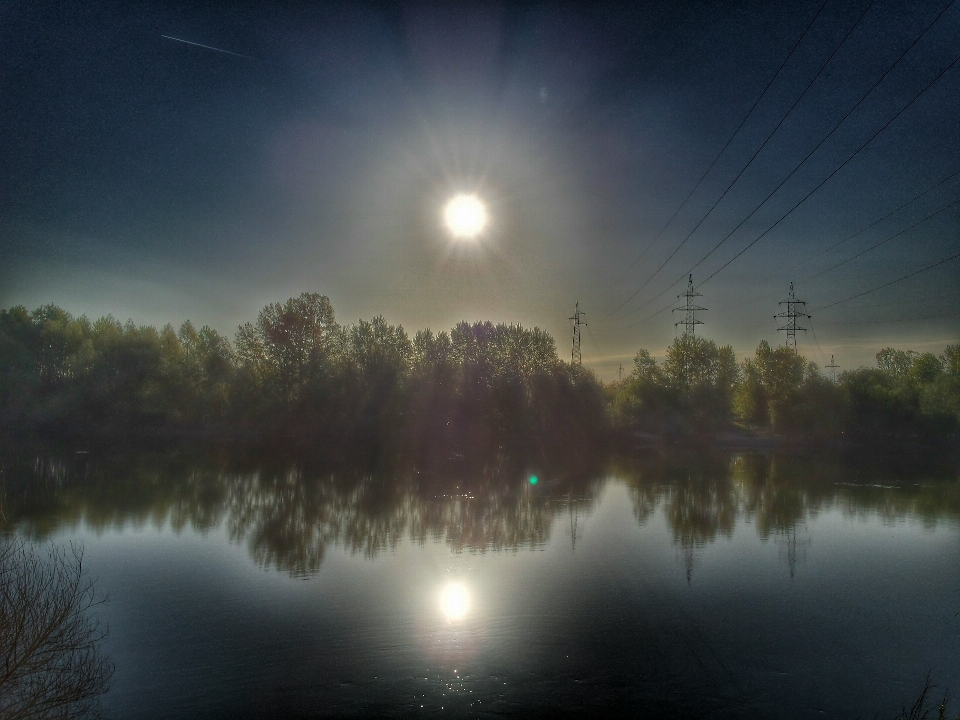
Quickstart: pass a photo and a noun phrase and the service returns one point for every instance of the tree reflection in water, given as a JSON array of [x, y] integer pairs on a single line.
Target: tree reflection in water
[[289, 512], [704, 495]]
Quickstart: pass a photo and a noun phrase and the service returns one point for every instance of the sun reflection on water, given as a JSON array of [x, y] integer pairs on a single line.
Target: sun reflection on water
[[455, 601]]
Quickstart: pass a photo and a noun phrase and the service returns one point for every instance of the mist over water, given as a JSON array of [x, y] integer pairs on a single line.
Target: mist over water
[[667, 584]]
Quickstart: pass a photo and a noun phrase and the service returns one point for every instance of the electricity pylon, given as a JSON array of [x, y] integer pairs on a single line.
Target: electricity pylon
[[574, 522], [790, 316], [832, 367], [690, 309], [575, 358]]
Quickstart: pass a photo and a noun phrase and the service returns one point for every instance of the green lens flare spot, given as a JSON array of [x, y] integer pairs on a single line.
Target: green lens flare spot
[[534, 480]]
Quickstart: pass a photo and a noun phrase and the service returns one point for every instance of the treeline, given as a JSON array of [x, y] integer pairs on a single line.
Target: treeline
[[296, 373], [700, 387]]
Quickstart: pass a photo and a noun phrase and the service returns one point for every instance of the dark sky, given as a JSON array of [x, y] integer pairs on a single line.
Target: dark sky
[[161, 181]]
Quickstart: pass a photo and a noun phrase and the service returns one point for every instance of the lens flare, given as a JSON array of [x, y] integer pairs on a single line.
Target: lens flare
[[454, 601], [465, 216]]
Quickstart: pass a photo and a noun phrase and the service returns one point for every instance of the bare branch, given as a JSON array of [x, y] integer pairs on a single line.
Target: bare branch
[[51, 662]]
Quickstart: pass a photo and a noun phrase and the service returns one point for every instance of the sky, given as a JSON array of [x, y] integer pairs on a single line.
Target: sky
[[618, 149]]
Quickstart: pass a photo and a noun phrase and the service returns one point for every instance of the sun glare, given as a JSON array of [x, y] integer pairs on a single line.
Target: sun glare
[[454, 601], [465, 216]]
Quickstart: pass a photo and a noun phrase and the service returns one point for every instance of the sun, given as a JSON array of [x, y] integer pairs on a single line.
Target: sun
[[465, 216]]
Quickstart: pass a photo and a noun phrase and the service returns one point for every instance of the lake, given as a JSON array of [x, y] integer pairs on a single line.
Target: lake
[[672, 584]]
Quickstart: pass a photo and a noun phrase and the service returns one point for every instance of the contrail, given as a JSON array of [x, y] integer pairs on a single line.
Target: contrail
[[210, 47]]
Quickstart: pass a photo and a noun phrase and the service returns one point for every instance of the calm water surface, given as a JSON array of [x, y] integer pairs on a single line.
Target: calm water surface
[[724, 586]]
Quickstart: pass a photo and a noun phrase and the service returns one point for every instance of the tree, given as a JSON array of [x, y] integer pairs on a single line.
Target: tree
[[51, 661], [691, 390], [207, 366], [951, 360], [289, 341], [896, 363], [378, 356], [646, 399], [645, 367], [771, 382]]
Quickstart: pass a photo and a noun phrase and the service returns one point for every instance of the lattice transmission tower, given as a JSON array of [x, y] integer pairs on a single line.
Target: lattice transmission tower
[[795, 309], [832, 367], [690, 309], [575, 358]]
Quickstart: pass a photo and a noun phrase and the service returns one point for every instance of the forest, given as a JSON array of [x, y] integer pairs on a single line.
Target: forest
[[296, 374]]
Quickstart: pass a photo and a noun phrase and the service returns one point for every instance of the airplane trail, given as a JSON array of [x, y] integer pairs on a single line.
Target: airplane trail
[[209, 47]]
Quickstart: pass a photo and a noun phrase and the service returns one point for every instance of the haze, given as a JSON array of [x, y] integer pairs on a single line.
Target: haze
[[313, 148]]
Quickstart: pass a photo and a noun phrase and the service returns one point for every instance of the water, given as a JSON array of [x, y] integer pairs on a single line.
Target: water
[[720, 586]]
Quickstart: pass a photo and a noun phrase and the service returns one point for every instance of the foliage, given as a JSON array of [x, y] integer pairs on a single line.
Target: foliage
[[784, 391], [910, 395], [288, 343], [299, 374], [294, 373], [699, 386], [692, 389]]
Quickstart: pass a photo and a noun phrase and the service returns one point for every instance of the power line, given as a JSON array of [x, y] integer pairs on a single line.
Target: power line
[[809, 277], [882, 242], [723, 149], [936, 148], [744, 168], [807, 196], [892, 282], [824, 181], [767, 296], [839, 167], [649, 317], [822, 307], [820, 354], [596, 345], [875, 222], [914, 300], [898, 320]]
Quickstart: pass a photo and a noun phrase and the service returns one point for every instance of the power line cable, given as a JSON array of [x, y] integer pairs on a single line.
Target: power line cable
[[754, 321], [664, 309], [882, 242], [648, 317], [596, 345], [822, 182], [839, 167], [875, 222], [820, 354], [817, 147], [725, 146], [915, 300], [892, 282], [744, 168], [898, 320], [767, 296]]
